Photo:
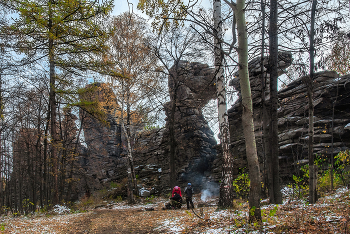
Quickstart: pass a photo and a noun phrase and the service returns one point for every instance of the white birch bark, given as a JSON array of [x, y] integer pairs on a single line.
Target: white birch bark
[[226, 188], [130, 164], [247, 115]]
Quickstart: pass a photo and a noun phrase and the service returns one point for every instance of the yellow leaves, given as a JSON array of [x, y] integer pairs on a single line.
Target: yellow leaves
[[162, 10], [339, 60], [189, 213]]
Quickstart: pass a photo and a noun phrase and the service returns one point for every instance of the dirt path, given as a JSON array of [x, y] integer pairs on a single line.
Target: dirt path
[[118, 218], [106, 221]]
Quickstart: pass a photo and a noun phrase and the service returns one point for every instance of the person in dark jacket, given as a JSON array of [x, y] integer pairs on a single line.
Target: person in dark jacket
[[189, 194]]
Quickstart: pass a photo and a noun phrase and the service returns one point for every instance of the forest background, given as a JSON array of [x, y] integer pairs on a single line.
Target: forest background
[[52, 50]]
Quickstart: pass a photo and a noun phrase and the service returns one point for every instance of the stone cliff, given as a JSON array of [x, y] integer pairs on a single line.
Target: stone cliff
[[104, 161], [191, 86], [330, 92]]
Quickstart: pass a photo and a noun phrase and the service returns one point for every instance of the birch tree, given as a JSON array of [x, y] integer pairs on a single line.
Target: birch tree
[[247, 115], [133, 60], [226, 188]]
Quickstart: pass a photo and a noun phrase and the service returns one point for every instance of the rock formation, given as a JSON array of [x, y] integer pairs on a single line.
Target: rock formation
[[195, 141], [293, 118], [191, 87], [197, 156], [101, 158]]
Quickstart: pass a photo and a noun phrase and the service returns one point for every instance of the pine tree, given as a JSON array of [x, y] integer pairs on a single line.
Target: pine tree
[[67, 36]]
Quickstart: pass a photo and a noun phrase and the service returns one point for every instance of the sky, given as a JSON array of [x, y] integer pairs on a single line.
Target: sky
[[121, 6]]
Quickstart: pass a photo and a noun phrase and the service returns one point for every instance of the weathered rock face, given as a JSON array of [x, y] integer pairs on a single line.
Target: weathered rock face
[[197, 155], [192, 86], [104, 162], [235, 112], [330, 91], [293, 120], [101, 159]]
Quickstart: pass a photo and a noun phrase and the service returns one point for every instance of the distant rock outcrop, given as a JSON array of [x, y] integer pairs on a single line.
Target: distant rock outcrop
[[101, 160], [330, 92]]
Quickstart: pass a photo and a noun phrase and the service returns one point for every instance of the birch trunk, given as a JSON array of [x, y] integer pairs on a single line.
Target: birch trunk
[[130, 164], [247, 115], [172, 139], [226, 188]]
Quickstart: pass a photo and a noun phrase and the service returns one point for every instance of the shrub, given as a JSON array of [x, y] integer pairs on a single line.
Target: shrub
[[241, 185], [114, 184], [342, 163]]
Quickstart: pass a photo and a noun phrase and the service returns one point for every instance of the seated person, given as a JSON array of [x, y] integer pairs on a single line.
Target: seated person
[[176, 198]]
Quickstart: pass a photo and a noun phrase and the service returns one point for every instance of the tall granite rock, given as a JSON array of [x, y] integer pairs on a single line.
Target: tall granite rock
[[101, 158], [195, 142], [195, 151], [103, 161], [235, 112]]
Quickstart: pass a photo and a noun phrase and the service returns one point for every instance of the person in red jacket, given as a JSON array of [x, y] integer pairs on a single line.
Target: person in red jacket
[[177, 190], [176, 197]]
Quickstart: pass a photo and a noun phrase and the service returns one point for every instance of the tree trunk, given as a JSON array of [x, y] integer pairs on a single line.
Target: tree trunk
[[45, 178], [52, 101], [332, 155], [1, 179], [265, 117], [129, 155], [128, 134], [312, 167], [247, 115], [38, 154], [172, 140], [1, 151], [226, 188], [273, 164]]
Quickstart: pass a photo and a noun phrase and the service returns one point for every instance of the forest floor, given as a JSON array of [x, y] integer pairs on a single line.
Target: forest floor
[[331, 214]]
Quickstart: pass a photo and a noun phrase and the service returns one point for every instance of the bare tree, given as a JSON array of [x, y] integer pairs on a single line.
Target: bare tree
[[137, 65]]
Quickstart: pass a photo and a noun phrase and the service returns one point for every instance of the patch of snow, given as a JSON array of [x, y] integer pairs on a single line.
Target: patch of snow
[[338, 193], [287, 192], [265, 200], [333, 218], [170, 226], [269, 206], [159, 169], [144, 192], [61, 209], [347, 126]]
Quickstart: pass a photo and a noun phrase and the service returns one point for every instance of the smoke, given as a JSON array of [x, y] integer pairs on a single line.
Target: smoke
[[205, 195], [209, 190]]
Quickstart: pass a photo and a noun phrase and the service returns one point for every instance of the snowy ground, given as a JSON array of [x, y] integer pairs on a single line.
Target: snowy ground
[[329, 215]]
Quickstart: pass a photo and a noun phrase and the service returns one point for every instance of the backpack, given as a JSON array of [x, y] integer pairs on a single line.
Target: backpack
[[188, 191]]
